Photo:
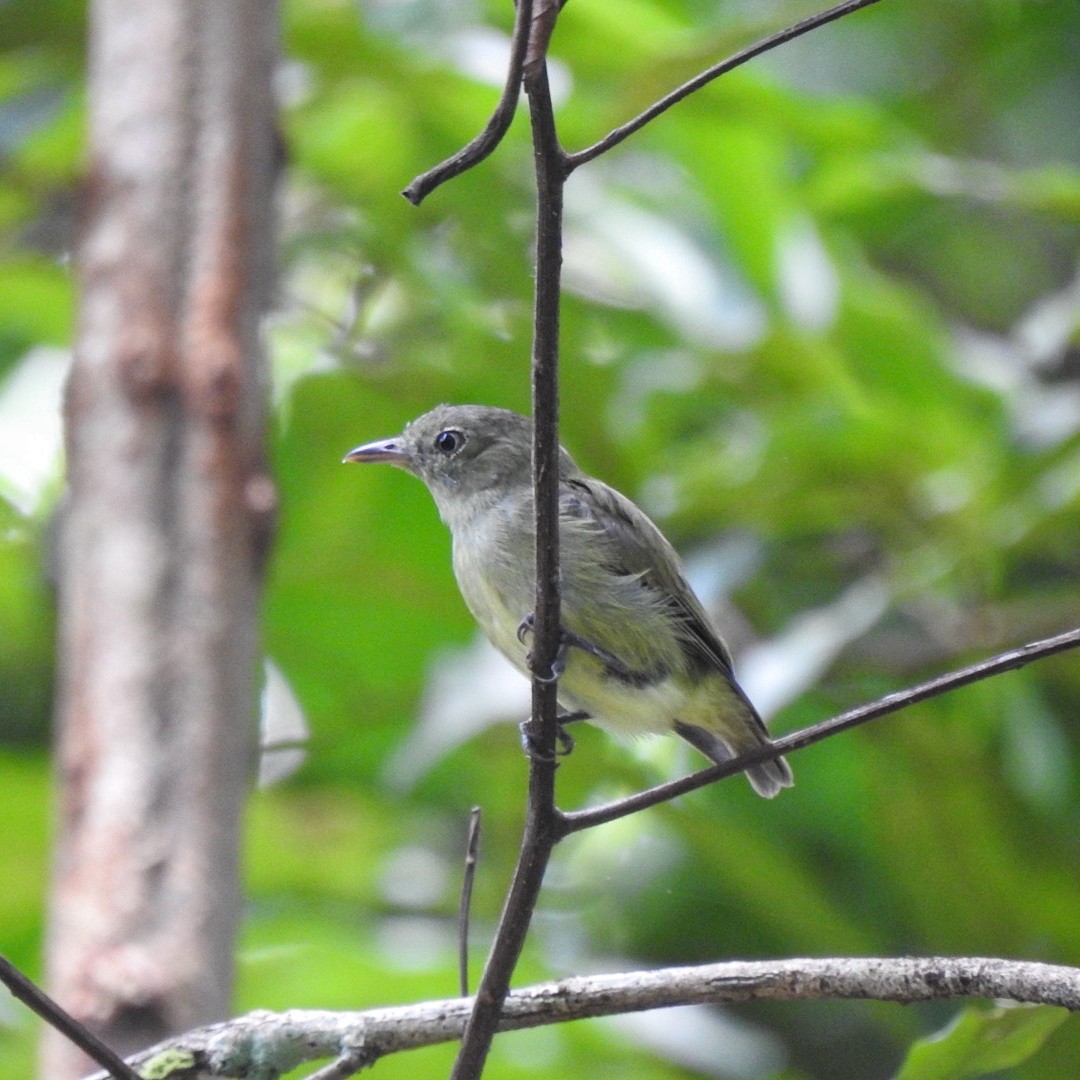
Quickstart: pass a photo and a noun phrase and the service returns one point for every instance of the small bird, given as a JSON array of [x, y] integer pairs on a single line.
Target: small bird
[[639, 654]]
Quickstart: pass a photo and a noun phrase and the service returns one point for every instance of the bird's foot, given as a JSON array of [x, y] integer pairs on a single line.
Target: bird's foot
[[568, 640], [562, 736], [558, 665]]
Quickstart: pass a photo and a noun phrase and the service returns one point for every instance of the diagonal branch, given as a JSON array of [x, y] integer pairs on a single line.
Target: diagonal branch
[[34, 998], [497, 126], [781, 37], [577, 820]]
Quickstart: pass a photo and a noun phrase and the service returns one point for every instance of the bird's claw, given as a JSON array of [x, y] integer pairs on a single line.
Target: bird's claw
[[569, 640], [531, 746], [558, 666], [562, 736]]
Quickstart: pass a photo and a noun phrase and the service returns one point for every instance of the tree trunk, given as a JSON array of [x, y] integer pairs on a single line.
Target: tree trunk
[[168, 519]]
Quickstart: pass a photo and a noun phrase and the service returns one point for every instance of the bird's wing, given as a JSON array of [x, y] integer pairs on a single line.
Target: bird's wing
[[635, 547]]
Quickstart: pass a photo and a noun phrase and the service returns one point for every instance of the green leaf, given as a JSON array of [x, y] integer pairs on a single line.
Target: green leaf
[[981, 1041]]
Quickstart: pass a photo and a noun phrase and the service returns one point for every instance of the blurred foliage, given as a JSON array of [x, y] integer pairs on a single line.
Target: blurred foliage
[[982, 1041], [821, 321]]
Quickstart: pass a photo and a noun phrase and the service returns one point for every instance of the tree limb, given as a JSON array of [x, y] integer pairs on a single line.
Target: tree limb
[[264, 1044]]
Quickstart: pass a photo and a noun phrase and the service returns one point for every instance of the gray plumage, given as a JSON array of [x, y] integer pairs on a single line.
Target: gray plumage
[[647, 657]]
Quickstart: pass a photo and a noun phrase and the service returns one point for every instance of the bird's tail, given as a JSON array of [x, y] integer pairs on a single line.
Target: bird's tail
[[767, 779]]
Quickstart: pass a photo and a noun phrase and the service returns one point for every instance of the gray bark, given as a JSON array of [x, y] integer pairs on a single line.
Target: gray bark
[[278, 1042], [167, 521]]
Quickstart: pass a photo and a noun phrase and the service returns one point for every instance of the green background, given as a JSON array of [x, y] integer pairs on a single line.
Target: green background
[[821, 322]]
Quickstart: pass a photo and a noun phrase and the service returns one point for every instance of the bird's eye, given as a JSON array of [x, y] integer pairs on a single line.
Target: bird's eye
[[449, 442]]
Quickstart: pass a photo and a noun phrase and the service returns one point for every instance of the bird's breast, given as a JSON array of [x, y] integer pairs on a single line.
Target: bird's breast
[[644, 690], [495, 583]]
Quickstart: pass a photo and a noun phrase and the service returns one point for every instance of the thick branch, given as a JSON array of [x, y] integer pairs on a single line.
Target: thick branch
[[282, 1041]]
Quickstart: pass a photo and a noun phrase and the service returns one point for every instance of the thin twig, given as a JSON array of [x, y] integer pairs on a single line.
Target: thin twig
[[472, 845], [497, 126], [37, 1000], [542, 819], [613, 138], [577, 820]]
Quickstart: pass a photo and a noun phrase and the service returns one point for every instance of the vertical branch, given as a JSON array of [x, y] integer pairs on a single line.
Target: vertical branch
[[542, 820], [550, 178], [544, 824], [168, 519]]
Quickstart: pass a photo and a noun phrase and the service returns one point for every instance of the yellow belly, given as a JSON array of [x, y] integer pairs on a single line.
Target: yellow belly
[[618, 706]]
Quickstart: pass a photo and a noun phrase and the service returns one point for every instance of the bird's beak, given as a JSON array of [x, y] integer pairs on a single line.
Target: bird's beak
[[388, 450]]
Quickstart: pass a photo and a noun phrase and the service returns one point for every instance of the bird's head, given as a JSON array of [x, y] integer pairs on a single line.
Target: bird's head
[[467, 455]]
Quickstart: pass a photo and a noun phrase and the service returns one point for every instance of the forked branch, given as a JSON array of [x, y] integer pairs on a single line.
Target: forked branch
[[528, 46]]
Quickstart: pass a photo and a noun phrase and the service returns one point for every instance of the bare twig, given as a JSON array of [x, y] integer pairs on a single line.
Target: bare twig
[[472, 845], [615, 137], [39, 1002], [577, 820], [542, 820], [484, 143], [279, 1042]]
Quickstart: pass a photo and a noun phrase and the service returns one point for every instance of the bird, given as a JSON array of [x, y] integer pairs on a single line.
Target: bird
[[639, 655]]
